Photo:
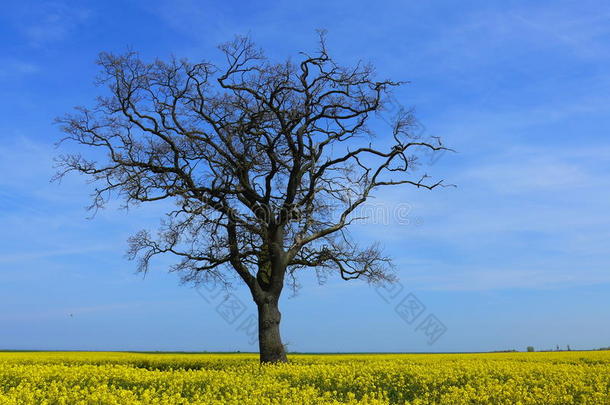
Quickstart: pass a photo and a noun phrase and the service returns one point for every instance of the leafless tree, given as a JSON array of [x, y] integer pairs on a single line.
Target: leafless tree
[[266, 162]]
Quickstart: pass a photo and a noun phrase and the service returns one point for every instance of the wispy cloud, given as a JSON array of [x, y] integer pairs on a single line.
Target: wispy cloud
[[77, 312], [50, 21], [531, 173], [506, 278], [33, 255], [582, 33], [11, 67]]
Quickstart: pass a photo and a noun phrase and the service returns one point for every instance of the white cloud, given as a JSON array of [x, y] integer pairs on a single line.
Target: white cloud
[[502, 278], [35, 254], [10, 68], [51, 21], [580, 32], [531, 174]]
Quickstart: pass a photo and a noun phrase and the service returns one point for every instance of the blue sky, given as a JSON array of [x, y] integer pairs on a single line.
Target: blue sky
[[516, 255]]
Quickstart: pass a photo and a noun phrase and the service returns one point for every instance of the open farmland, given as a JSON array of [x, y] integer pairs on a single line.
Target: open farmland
[[140, 378]]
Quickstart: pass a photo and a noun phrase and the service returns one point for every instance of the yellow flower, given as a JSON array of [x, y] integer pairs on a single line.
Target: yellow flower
[[168, 379]]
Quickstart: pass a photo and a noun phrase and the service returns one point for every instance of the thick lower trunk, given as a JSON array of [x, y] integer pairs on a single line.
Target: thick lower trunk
[[269, 341]]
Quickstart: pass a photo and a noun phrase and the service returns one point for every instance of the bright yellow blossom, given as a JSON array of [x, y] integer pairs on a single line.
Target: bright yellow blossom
[[55, 378]]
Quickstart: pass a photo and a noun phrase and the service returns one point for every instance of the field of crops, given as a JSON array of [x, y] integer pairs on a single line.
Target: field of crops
[[138, 378]]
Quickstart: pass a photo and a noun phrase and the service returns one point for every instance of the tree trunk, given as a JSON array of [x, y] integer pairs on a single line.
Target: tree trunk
[[269, 341]]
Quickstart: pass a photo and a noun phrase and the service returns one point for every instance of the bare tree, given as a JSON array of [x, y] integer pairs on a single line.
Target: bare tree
[[266, 162]]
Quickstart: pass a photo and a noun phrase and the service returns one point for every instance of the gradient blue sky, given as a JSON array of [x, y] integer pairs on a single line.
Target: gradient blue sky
[[517, 255]]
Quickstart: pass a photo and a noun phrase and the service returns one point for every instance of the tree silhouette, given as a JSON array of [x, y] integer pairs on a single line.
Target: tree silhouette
[[266, 163]]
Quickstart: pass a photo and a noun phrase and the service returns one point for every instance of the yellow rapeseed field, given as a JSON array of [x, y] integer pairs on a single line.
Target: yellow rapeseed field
[[138, 378]]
